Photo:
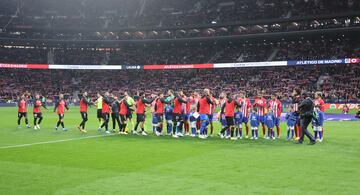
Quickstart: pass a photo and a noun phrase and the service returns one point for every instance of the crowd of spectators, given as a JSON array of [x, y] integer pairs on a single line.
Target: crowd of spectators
[[189, 53], [23, 55], [337, 82], [339, 47]]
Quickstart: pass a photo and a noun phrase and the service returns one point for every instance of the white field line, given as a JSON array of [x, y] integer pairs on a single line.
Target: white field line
[[54, 141]]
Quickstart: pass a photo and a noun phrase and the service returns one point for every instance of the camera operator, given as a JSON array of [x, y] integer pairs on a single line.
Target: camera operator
[[306, 109]]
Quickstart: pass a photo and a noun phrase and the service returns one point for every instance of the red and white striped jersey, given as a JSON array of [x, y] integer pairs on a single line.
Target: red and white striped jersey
[[196, 100], [222, 102], [186, 106], [260, 104], [321, 103], [152, 106], [193, 101], [245, 106], [275, 105]]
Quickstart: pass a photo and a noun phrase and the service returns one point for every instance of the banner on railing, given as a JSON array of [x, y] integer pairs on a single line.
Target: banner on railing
[[321, 62], [27, 66], [250, 64], [178, 66], [85, 67], [183, 66]]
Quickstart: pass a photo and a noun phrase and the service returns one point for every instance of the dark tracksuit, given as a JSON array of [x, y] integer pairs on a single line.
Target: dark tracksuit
[[115, 107], [306, 109]]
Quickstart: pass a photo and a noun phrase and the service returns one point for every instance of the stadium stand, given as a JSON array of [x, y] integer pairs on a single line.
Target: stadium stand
[[338, 82], [155, 13], [163, 19], [202, 52]]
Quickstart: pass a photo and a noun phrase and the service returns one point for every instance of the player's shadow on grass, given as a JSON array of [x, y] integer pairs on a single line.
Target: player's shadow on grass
[[214, 140]]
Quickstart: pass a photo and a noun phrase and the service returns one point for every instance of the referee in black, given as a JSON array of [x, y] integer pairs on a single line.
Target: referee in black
[[306, 109]]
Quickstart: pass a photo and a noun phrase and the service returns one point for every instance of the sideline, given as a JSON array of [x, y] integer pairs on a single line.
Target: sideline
[[55, 141]]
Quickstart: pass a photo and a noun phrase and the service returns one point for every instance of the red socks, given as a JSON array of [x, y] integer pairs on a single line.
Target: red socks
[[198, 124], [263, 128], [297, 131], [186, 127]]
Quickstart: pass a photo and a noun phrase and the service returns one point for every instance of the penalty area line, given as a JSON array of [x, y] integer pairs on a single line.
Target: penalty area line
[[54, 141]]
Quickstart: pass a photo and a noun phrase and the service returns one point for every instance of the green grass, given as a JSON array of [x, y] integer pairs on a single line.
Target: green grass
[[161, 165]]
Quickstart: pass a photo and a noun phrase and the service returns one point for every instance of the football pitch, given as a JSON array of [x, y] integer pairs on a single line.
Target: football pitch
[[55, 162]]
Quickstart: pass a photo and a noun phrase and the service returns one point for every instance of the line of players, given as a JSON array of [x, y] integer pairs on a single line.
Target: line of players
[[193, 113]]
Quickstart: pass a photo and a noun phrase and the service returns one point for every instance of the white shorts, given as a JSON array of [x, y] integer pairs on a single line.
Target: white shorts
[[317, 128], [154, 125], [193, 124], [238, 125], [169, 122], [254, 128], [290, 128]]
